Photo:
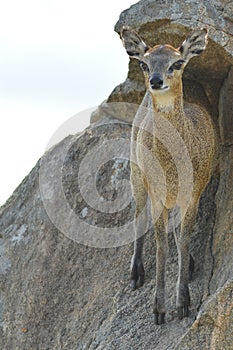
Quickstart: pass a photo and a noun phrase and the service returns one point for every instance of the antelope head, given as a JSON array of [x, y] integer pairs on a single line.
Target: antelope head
[[163, 65]]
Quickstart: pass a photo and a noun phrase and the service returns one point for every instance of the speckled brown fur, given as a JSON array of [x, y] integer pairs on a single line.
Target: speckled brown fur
[[163, 125]]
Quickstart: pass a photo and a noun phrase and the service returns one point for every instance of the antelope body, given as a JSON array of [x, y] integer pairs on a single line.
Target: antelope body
[[166, 132]]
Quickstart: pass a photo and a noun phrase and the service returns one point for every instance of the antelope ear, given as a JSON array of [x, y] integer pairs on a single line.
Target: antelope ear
[[134, 45], [194, 44]]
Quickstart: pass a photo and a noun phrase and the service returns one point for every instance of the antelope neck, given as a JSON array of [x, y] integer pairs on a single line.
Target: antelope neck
[[169, 104]]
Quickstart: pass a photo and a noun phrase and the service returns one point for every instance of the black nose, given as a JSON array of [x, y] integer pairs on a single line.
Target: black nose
[[156, 82]]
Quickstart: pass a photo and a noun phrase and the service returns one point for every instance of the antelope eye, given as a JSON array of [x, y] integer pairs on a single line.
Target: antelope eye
[[177, 66], [144, 66]]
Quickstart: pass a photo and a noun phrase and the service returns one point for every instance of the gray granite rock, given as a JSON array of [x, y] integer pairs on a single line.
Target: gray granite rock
[[60, 286]]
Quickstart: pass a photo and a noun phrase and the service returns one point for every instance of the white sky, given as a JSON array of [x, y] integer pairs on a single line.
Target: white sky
[[57, 58]]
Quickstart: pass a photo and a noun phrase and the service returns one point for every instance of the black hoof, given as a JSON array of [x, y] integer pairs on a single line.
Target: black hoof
[[140, 280], [159, 318], [137, 274], [137, 283], [182, 311], [183, 301], [133, 284]]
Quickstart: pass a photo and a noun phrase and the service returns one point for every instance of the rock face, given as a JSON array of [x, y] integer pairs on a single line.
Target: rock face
[[66, 232]]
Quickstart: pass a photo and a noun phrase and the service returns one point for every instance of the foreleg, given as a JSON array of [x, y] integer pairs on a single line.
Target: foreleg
[[161, 257], [140, 227]]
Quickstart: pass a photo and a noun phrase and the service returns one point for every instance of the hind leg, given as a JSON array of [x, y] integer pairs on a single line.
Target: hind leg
[[186, 266], [174, 226]]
